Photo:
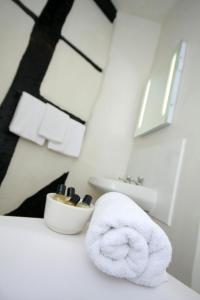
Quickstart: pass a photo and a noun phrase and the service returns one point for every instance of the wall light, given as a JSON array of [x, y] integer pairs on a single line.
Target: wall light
[[144, 103], [169, 84]]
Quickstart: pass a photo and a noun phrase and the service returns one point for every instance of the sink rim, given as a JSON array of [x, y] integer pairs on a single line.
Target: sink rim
[[95, 179], [144, 196]]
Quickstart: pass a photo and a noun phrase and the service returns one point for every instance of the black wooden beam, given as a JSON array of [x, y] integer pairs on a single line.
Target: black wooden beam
[[81, 54], [25, 9], [64, 110], [32, 15], [107, 8]]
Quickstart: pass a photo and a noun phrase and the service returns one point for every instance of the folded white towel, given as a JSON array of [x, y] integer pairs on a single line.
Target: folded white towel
[[54, 124], [72, 141], [27, 118], [124, 242]]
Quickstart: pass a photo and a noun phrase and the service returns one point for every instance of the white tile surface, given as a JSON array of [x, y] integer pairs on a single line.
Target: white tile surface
[[150, 163], [37, 263]]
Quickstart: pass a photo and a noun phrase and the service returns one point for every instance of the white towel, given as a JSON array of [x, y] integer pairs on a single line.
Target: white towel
[[54, 124], [124, 242], [72, 141], [27, 118]]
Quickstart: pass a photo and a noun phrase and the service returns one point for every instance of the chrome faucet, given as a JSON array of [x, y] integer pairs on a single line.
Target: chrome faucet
[[138, 181]]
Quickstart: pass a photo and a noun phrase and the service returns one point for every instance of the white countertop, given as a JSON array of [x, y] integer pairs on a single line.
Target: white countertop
[[39, 264]]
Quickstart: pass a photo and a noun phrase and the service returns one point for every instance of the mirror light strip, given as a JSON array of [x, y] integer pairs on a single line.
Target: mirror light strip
[[146, 94], [169, 84]]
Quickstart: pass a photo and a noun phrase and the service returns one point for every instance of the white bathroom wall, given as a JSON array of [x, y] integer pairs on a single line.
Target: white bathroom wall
[[13, 23], [110, 130], [35, 6], [91, 34], [71, 82], [183, 22], [164, 180]]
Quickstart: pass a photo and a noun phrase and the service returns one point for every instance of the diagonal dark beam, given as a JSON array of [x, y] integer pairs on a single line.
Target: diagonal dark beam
[[25, 9], [81, 54], [64, 110], [108, 8], [31, 70]]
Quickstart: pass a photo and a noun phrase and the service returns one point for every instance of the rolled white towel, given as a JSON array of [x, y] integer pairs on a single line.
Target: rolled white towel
[[123, 241]]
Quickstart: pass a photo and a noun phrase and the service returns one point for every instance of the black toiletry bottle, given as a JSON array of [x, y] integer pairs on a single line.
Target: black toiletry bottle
[[73, 200], [60, 193], [70, 193], [85, 202]]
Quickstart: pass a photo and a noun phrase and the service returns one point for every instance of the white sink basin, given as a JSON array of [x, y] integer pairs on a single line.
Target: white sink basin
[[145, 197]]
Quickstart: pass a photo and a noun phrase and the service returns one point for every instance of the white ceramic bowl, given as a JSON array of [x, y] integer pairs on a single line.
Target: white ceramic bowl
[[64, 218]]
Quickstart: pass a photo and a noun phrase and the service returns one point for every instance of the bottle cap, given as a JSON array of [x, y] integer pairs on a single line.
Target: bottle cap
[[70, 191], [75, 199], [61, 189], [87, 199]]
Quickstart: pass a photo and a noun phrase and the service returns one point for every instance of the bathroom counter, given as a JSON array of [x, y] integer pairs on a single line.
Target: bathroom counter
[[39, 264]]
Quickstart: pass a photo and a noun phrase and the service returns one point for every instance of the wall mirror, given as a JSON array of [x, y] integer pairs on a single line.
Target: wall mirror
[[160, 93]]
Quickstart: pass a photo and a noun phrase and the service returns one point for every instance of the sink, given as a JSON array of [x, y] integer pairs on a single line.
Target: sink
[[145, 197]]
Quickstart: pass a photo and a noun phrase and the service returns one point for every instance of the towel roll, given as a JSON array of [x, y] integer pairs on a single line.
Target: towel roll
[[123, 241]]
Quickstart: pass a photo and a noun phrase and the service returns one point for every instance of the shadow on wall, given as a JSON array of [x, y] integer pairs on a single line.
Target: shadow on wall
[[34, 206]]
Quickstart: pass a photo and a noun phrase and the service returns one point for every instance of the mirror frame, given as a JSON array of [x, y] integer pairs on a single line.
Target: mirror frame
[[170, 96]]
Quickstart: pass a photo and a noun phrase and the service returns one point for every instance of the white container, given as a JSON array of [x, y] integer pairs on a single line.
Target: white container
[[65, 218]]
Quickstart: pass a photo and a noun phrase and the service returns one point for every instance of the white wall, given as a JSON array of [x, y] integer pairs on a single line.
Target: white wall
[[35, 6], [15, 30], [110, 130], [182, 23], [71, 82], [89, 30]]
